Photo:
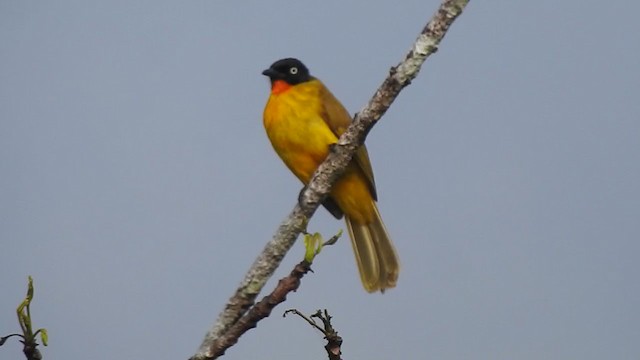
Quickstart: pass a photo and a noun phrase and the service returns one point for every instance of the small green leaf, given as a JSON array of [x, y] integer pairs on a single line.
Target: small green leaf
[[312, 245], [30, 290], [319, 242], [44, 336]]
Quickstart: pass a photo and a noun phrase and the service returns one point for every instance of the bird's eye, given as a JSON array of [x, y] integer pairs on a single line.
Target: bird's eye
[[293, 70]]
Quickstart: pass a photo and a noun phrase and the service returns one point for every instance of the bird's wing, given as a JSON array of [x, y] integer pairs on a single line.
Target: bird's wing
[[338, 119]]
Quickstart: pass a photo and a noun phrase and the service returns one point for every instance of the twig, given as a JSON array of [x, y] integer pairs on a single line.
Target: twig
[[334, 342], [328, 172], [304, 317]]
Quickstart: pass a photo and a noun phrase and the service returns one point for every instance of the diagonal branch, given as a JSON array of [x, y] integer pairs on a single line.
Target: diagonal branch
[[261, 310], [334, 165]]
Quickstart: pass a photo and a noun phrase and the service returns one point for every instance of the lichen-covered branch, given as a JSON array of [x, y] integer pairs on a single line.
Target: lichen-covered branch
[[268, 261]]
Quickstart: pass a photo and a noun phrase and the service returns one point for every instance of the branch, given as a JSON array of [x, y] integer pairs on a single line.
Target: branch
[[314, 244], [261, 310], [328, 172]]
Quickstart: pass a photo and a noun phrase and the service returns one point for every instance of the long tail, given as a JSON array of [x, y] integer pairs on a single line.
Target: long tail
[[376, 257]]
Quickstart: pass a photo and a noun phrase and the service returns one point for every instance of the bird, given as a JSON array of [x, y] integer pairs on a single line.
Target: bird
[[303, 119]]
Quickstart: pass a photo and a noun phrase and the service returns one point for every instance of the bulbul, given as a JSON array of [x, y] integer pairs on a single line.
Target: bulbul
[[303, 119]]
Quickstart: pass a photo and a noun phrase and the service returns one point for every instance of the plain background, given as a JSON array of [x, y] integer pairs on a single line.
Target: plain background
[[137, 184]]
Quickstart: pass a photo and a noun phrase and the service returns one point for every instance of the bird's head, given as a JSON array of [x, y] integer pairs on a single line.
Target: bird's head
[[287, 72]]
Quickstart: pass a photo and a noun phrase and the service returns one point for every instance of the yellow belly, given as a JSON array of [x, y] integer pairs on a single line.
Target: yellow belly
[[302, 139], [298, 134]]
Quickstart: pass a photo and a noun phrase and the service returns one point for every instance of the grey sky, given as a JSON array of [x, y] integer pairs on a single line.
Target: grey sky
[[137, 184]]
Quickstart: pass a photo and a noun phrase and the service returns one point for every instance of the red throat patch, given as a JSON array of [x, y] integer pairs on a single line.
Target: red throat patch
[[279, 86]]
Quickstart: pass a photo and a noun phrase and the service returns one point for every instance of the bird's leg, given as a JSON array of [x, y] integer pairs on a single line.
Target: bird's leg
[[301, 194]]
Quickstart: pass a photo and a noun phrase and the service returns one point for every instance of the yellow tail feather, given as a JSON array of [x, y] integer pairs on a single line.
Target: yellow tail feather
[[375, 254]]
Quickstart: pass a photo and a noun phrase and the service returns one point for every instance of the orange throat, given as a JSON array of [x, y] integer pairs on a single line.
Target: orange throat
[[279, 86]]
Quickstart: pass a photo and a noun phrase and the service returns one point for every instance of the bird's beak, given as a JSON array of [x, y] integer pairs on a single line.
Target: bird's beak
[[271, 73]]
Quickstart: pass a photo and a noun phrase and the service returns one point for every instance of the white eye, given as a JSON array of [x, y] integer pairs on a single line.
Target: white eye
[[293, 70]]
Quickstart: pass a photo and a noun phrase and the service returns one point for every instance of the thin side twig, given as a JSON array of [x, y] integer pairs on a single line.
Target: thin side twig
[[334, 341], [328, 172], [304, 317]]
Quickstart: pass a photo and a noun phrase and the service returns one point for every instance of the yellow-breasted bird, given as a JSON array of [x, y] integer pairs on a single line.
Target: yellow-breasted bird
[[303, 119]]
